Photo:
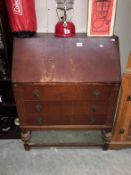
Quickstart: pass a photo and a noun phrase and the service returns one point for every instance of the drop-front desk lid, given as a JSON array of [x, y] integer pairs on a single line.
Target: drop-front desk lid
[[80, 59]]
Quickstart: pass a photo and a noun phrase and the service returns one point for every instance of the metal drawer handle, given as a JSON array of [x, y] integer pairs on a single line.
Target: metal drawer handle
[[96, 93], [129, 98], [94, 108], [93, 120], [122, 131], [38, 108], [40, 121], [36, 93]]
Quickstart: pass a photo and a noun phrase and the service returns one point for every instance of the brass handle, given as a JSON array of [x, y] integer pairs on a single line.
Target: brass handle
[[36, 93], [15, 85], [93, 120], [122, 131], [96, 93], [38, 108], [94, 108], [129, 98], [40, 121]]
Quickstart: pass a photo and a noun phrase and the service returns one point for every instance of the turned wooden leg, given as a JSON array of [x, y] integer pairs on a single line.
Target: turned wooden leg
[[107, 138], [25, 136], [27, 147]]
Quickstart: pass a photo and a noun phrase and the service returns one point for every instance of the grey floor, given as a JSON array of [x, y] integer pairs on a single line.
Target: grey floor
[[15, 161]]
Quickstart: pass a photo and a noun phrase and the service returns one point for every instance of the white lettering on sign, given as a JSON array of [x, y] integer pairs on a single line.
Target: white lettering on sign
[[66, 31], [17, 7]]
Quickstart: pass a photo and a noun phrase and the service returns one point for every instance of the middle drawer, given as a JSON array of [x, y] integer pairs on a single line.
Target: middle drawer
[[66, 107]]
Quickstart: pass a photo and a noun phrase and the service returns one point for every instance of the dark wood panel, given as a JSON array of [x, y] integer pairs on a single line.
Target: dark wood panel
[[58, 92], [64, 120], [66, 108], [63, 113], [66, 127], [62, 60]]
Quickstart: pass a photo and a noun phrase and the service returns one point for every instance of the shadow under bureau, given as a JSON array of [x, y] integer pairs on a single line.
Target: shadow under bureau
[[66, 87]]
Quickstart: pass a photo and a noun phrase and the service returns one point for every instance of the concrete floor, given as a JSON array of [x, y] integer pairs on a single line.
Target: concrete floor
[[15, 161]]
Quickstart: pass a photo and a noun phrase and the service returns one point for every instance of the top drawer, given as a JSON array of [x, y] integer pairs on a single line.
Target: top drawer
[[64, 92]]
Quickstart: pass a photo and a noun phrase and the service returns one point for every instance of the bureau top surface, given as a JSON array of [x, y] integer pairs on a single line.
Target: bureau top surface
[[80, 59]]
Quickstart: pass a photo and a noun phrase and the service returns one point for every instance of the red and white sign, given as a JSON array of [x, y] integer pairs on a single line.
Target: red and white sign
[[101, 17], [22, 15]]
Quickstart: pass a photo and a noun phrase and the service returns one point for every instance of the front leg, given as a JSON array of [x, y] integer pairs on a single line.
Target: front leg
[[107, 138], [26, 136]]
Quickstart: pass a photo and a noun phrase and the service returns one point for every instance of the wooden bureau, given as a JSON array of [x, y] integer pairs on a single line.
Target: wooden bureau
[[65, 83]]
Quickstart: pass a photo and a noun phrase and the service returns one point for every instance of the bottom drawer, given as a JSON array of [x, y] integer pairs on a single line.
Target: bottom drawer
[[64, 120]]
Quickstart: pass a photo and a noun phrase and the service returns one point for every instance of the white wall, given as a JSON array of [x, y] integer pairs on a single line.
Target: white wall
[[47, 18], [123, 29]]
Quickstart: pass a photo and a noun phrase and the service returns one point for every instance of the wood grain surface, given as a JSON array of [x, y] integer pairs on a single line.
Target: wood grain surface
[[80, 59]]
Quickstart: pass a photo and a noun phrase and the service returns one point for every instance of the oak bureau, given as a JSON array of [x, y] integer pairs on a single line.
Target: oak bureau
[[121, 135], [66, 84]]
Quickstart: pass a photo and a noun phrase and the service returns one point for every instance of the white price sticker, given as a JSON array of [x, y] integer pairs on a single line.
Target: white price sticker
[[79, 44]]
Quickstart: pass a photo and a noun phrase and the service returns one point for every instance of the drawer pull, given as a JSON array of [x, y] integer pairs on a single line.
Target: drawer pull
[[40, 121], [92, 120], [129, 98], [36, 93], [38, 108], [96, 93], [122, 131], [94, 108]]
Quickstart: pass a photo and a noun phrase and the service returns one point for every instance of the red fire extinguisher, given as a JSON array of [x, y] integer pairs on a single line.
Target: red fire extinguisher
[[22, 17]]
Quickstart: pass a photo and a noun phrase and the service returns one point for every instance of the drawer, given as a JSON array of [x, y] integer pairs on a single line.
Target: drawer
[[64, 120], [52, 108], [65, 113], [66, 92]]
